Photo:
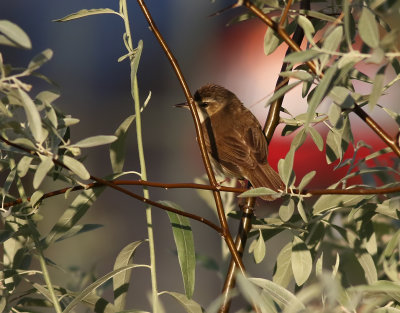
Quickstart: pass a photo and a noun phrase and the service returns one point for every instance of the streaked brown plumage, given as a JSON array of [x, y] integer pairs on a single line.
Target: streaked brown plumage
[[234, 138]]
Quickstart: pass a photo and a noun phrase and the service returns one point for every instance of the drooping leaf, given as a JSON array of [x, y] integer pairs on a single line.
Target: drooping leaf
[[286, 210], [85, 12], [40, 59], [33, 116], [257, 247], [117, 148], [75, 166], [271, 41], [77, 230], [44, 167], [189, 305], [306, 179], [377, 88], [95, 141], [301, 261], [13, 35], [331, 43], [184, 242], [121, 280], [368, 265], [317, 138], [307, 27], [368, 28], [283, 273]]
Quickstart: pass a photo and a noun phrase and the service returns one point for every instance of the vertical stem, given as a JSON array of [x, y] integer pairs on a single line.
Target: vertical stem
[[143, 172]]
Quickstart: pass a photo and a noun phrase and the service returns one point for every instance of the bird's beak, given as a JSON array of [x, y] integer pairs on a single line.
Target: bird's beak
[[184, 105]]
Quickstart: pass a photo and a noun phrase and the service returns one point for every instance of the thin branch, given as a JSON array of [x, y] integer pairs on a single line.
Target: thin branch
[[199, 133], [285, 13]]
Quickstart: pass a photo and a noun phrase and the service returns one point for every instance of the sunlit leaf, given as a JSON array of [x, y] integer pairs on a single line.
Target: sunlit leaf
[[84, 12], [377, 88], [117, 148], [327, 202], [286, 210], [307, 26], [75, 166], [44, 167], [283, 273], [13, 35], [317, 138], [257, 247], [368, 265], [189, 305], [23, 165], [306, 179], [301, 56], [95, 141], [259, 192], [40, 59], [32, 113], [368, 28], [301, 261]]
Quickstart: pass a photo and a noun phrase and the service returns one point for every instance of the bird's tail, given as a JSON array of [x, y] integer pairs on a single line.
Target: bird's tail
[[265, 176]]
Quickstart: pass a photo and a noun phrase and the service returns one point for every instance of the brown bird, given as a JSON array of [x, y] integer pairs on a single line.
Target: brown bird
[[234, 138]]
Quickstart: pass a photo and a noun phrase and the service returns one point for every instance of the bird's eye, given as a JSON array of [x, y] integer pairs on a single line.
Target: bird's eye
[[204, 104]]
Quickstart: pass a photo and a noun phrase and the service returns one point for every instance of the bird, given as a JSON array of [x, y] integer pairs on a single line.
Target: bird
[[234, 139]]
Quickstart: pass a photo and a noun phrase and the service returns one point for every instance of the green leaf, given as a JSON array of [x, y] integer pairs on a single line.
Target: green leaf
[[319, 265], [184, 242], [306, 179], [72, 215], [327, 202], [35, 198], [318, 15], [23, 165], [368, 28], [392, 244], [13, 35], [33, 116], [136, 59], [85, 12], [368, 265], [281, 295], [282, 91], [257, 247], [301, 261], [331, 43], [121, 280], [300, 74], [301, 56], [271, 41], [259, 192], [117, 148], [319, 142], [189, 305], [92, 287], [350, 57], [40, 59], [77, 230], [377, 88], [286, 210], [307, 27], [283, 273], [95, 141], [75, 166], [44, 167]]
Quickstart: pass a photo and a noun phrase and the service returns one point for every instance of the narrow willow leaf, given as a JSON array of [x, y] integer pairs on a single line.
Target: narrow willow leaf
[[302, 212], [377, 88], [252, 294], [319, 265], [259, 249], [84, 12], [368, 28], [318, 15], [117, 148], [93, 300], [75, 166], [33, 116], [327, 202], [40, 59], [72, 215], [14, 35], [189, 305], [307, 27], [333, 146], [320, 92], [259, 192], [286, 210], [283, 273], [77, 230], [301, 261], [44, 167], [95, 141], [317, 138], [121, 280], [271, 41], [392, 245], [136, 59], [306, 179], [350, 57], [331, 43], [92, 287], [301, 56], [287, 167], [280, 294], [23, 165], [35, 198], [282, 91], [368, 265], [184, 242], [336, 266], [302, 75]]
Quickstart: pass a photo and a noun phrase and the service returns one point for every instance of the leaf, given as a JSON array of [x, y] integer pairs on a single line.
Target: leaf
[[85, 12], [319, 15], [35, 198], [319, 265], [281, 295], [283, 273], [72, 215], [368, 28], [286, 210], [121, 280], [331, 43], [92, 287], [75, 166], [301, 261], [23, 165], [189, 305], [117, 148], [282, 91], [327, 202], [258, 248], [40, 59], [77, 230], [300, 74], [184, 242], [33, 116], [259, 192], [392, 244], [13, 35], [44, 167], [307, 27], [95, 141], [286, 168], [377, 88], [271, 41], [368, 265], [301, 56], [306, 179], [319, 142]]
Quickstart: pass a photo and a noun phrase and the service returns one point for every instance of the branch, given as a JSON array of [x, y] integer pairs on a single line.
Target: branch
[[199, 133]]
